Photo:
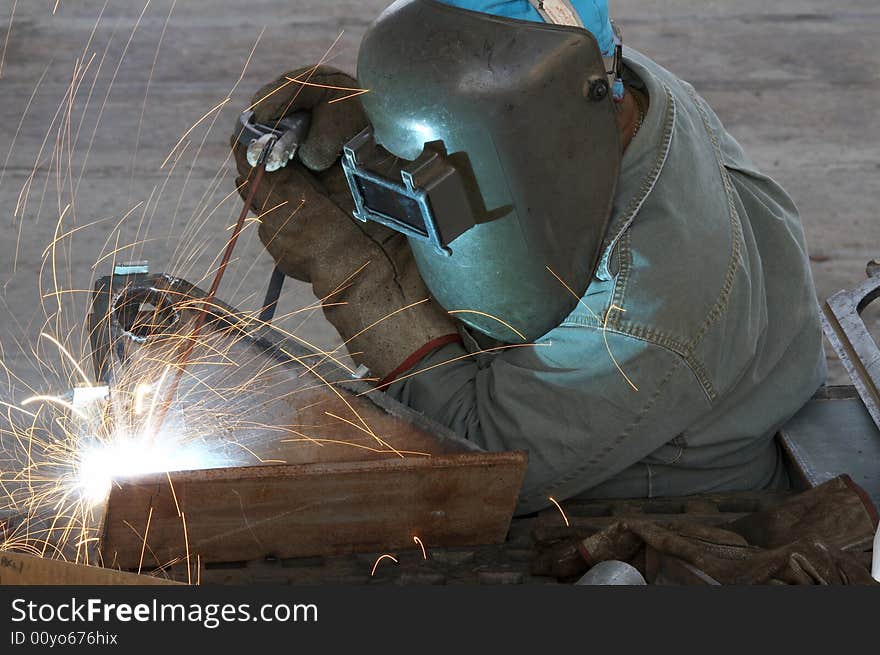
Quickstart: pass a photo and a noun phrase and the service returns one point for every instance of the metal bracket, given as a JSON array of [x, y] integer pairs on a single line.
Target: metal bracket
[[851, 339]]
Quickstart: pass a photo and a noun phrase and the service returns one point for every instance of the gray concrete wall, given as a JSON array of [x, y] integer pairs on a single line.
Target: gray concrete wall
[[796, 81]]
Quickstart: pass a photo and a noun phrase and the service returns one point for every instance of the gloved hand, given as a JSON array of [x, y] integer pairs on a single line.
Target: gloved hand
[[364, 273]]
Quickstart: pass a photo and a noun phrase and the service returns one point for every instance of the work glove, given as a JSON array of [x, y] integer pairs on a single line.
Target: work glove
[[364, 273], [812, 538]]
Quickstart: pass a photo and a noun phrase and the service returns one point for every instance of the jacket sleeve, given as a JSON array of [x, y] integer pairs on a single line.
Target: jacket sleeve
[[585, 403]]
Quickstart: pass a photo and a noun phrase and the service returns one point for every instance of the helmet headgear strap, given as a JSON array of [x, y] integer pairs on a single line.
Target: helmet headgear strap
[[562, 12]]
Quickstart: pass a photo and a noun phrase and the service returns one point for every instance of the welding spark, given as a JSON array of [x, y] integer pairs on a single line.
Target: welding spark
[[310, 73], [207, 114], [152, 410], [55, 400], [494, 318], [144, 547], [320, 442], [559, 507], [6, 40], [422, 546], [140, 394], [69, 357], [355, 92], [186, 541], [385, 318], [18, 409], [613, 308], [381, 557], [496, 349], [604, 325], [69, 451]]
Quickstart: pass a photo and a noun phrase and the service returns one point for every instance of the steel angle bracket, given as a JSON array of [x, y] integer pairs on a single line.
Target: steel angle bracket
[[851, 339]]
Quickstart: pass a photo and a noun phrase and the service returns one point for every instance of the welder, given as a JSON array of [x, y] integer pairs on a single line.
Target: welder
[[541, 238]]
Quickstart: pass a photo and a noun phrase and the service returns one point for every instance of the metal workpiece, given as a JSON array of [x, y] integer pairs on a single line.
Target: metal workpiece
[[131, 315], [851, 339], [513, 99], [258, 420], [831, 436]]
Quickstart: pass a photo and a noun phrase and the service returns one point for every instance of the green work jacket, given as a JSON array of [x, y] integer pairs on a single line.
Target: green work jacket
[[697, 338]]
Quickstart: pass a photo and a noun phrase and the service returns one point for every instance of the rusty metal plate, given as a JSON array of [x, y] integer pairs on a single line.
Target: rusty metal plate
[[306, 510]]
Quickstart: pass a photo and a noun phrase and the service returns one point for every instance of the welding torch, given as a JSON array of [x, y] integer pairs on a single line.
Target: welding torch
[[269, 148]]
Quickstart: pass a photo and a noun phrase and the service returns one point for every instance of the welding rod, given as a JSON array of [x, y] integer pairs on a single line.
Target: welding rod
[[208, 300], [269, 147]]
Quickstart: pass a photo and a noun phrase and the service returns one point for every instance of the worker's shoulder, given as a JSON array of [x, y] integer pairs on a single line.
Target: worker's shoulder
[[676, 230], [682, 262], [675, 194], [700, 216]]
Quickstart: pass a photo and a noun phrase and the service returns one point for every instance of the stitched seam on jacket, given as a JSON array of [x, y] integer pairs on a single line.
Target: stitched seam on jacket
[[657, 338], [624, 255], [597, 459], [622, 241], [640, 332], [687, 350], [616, 318], [736, 251], [648, 184]]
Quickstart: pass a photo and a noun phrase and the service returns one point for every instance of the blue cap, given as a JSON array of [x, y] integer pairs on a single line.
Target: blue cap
[[593, 14]]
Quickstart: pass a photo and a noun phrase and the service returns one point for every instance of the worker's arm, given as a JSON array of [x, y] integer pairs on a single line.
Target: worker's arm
[[565, 401]]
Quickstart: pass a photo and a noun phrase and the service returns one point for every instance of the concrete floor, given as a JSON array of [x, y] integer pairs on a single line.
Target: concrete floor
[[796, 81]]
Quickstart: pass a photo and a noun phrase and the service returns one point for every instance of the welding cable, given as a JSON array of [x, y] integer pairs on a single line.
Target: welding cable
[[273, 293]]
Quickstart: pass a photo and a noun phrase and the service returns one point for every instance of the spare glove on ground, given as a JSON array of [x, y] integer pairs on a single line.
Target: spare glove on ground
[[813, 538]]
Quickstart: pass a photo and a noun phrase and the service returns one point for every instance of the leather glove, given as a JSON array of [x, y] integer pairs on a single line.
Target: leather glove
[[314, 184], [811, 538], [363, 272]]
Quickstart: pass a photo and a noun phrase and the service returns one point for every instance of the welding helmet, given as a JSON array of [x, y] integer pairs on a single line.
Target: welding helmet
[[493, 146]]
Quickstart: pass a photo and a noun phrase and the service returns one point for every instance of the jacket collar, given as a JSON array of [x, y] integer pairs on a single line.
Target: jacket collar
[[643, 161]]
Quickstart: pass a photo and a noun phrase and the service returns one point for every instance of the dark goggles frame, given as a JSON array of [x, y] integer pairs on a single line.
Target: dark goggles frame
[[425, 199]]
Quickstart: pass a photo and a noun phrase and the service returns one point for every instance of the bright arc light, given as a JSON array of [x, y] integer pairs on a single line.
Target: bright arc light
[[101, 464]]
